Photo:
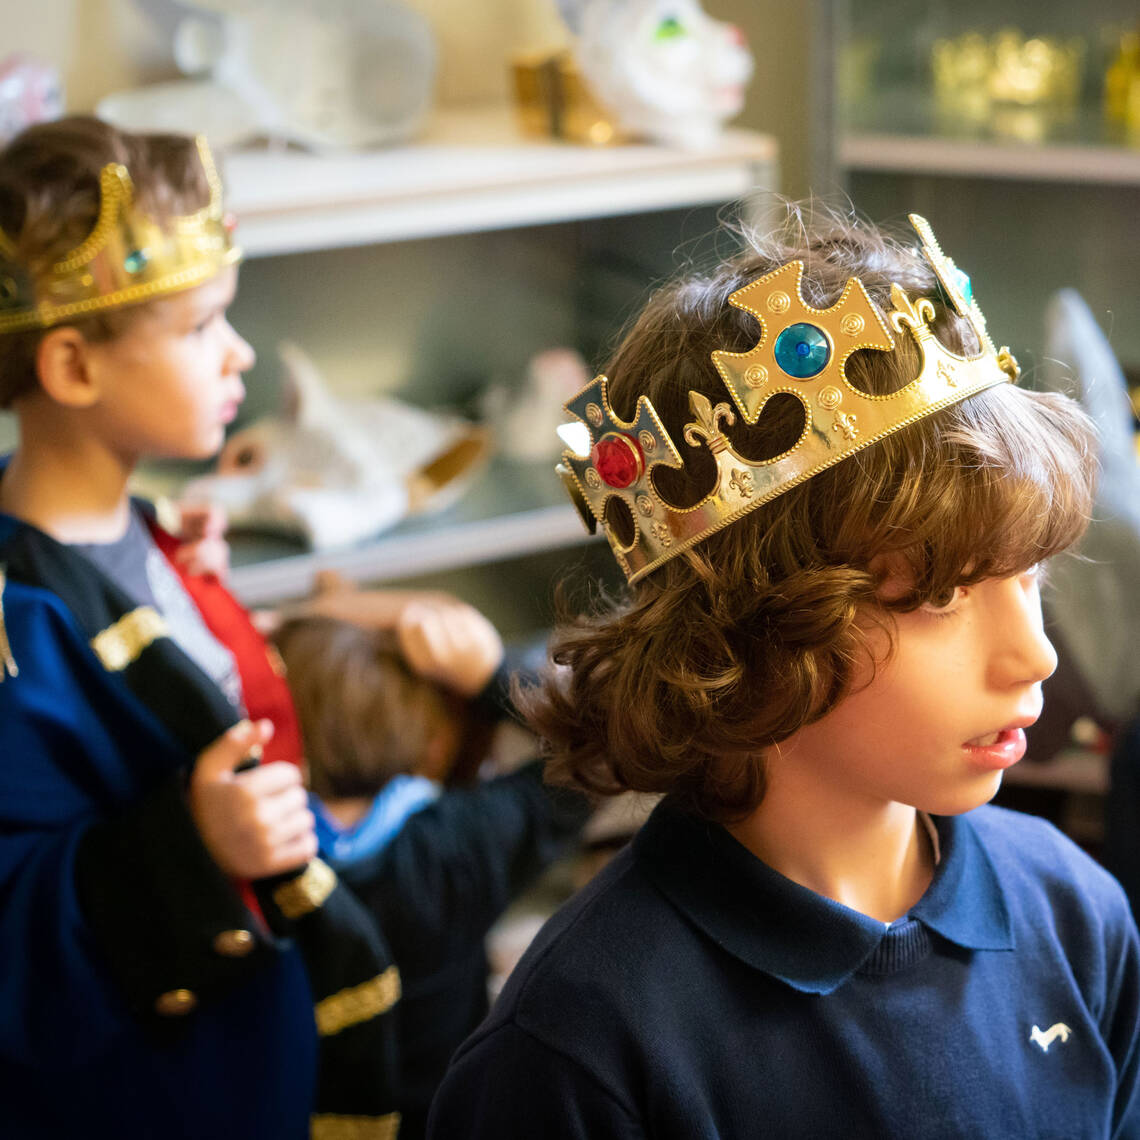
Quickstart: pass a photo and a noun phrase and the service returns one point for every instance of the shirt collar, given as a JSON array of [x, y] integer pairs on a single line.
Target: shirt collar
[[401, 797], [810, 942]]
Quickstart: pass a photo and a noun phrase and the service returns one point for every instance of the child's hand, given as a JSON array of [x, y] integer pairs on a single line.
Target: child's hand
[[449, 642], [257, 822], [204, 550], [336, 597]]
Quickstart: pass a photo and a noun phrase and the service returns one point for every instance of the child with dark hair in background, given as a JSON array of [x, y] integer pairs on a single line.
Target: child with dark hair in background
[[391, 714], [833, 507]]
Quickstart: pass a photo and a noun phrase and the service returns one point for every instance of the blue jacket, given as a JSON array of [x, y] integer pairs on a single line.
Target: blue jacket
[[139, 997], [692, 992]]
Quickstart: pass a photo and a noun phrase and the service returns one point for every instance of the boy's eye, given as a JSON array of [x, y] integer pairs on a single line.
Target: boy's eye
[[947, 602], [206, 322]]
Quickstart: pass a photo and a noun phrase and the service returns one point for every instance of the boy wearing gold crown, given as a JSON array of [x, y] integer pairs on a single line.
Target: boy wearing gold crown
[[832, 504], [176, 962]]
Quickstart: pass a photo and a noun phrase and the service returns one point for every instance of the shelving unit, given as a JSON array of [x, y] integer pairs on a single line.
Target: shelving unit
[[904, 132], [386, 215], [473, 171], [951, 157], [1044, 197]]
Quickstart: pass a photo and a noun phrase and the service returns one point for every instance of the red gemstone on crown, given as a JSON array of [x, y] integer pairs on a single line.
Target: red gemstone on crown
[[618, 459]]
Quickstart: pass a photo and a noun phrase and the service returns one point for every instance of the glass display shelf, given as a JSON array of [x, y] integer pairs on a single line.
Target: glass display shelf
[[908, 132]]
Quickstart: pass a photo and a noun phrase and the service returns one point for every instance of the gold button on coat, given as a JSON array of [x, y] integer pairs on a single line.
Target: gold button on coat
[[234, 943], [175, 1003]]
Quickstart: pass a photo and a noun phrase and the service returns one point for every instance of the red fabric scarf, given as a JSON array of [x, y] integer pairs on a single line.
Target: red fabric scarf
[[263, 684]]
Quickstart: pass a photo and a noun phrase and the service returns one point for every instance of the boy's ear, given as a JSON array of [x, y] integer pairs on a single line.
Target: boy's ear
[[439, 754], [63, 365]]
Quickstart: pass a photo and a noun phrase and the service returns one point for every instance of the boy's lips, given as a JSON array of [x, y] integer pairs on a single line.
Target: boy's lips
[[1001, 748]]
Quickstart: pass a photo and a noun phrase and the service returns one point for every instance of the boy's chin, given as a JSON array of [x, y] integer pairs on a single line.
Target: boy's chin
[[959, 801], [204, 447]]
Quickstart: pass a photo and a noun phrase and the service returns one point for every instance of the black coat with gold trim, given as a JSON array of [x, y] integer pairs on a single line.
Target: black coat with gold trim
[[140, 996]]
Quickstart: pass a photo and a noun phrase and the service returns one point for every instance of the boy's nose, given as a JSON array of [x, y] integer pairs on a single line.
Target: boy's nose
[[1022, 653], [242, 355]]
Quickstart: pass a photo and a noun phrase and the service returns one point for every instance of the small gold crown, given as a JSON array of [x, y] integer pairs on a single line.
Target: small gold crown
[[802, 351], [128, 257]]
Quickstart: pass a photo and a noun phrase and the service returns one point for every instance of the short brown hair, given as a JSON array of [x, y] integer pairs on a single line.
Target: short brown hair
[[365, 715], [49, 201], [680, 685]]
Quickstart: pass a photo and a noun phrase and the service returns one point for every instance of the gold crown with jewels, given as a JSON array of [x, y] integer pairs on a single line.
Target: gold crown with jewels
[[802, 351], [128, 257]]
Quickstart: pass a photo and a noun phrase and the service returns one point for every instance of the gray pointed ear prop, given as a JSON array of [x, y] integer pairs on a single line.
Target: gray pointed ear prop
[[571, 12], [1094, 601]]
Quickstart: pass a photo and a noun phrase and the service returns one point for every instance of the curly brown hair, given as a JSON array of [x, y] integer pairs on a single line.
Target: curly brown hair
[[681, 684], [49, 201]]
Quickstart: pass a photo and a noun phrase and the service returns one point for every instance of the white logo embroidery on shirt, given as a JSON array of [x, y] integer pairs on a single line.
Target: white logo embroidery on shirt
[[1047, 1037]]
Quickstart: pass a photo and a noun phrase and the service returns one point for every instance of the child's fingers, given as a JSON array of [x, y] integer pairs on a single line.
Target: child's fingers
[[450, 642], [267, 622], [271, 779], [290, 827], [295, 853], [201, 520], [286, 809], [421, 637], [220, 758], [330, 582], [205, 556]]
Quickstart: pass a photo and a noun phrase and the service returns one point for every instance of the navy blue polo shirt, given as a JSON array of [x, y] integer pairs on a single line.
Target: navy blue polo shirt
[[693, 992]]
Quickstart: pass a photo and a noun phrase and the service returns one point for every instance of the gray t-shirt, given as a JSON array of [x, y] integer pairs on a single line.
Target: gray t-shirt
[[141, 569]]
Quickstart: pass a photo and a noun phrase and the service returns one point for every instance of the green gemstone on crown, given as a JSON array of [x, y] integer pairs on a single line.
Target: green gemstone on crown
[[962, 284], [135, 260]]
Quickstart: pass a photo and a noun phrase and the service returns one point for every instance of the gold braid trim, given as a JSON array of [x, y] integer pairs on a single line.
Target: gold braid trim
[[358, 1003], [307, 891], [329, 1127], [6, 658], [120, 644]]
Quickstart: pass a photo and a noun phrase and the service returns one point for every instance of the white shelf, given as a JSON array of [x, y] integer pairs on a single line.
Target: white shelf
[[1052, 162], [474, 171], [408, 555], [512, 509]]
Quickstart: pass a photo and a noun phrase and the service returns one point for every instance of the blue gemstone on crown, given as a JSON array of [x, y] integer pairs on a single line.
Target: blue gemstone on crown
[[135, 260], [802, 350], [962, 284]]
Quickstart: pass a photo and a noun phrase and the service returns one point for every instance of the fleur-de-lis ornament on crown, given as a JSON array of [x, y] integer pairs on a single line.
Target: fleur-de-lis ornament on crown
[[801, 351]]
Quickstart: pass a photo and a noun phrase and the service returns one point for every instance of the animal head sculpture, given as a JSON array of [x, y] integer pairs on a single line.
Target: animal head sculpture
[[334, 471], [664, 68], [326, 76]]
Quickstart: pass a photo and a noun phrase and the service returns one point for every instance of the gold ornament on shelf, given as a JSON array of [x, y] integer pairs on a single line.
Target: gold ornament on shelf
[[128, 257], [975, 75], [1122, 83], [803, 351], [553, 101]]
